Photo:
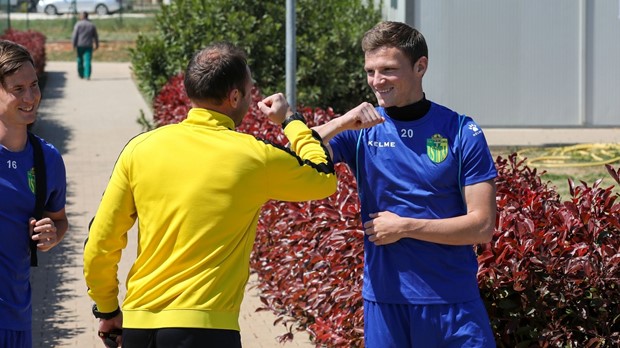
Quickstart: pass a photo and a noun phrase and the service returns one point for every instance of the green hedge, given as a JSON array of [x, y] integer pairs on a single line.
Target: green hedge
[[330, 60]]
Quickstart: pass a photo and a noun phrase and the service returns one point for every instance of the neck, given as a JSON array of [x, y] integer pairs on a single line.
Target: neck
[[411, 112], [223, 108], [13, 140]]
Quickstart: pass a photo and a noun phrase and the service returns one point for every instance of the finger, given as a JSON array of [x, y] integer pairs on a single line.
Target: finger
[[31, 224], [44, 221], [45, 229], [45, 235], [45, 238], [267, 101], [266, 110]]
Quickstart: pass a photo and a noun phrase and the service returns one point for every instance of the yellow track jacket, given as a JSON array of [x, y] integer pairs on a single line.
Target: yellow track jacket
[[196, 189]]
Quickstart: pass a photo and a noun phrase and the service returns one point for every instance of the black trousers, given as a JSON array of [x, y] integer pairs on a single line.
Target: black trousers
[[181, 338]]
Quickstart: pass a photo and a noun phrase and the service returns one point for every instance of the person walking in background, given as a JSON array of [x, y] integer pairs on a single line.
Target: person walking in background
[[19, 102], [425, 178], [196, 189], [85, 40]]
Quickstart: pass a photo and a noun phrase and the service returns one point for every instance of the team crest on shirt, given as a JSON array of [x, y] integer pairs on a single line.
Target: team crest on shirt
[[437, 148], [31, 180]]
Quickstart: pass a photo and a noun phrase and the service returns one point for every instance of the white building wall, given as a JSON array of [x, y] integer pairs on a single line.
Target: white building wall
[[521, 62]]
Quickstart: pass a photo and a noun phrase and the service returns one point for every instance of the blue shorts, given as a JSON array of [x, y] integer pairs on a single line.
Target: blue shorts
[[442, 325], [15, 339]]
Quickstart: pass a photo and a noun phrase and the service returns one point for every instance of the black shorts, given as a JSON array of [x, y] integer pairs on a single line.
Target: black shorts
[[181, 338]]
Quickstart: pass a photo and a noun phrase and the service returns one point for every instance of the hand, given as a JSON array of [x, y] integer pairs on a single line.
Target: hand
[[384, 228], [275, 107], [362, 116], [44, 232], [108, 325]]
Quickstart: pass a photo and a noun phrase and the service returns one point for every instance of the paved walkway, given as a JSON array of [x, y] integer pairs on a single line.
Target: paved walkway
[[90, 122]]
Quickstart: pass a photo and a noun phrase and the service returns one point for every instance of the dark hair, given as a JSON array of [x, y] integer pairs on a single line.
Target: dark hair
[[398, 35], [12, 57], [215, 71]]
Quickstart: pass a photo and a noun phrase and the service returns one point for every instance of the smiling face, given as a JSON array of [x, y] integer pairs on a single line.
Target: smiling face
[[20, 97], [392, 77]]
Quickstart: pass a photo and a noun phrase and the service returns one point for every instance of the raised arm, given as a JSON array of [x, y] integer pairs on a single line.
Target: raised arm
[[362, 116], [303, 171], [275, 107]]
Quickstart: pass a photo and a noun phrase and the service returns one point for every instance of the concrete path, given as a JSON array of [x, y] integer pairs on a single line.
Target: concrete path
[[90, 122]]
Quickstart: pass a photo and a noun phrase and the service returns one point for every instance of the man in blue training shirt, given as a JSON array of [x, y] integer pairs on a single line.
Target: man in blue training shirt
[[425, 179], [19, 101]]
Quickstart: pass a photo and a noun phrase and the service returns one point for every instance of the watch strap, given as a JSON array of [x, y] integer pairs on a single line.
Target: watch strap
[[294, 117], [106, 316]]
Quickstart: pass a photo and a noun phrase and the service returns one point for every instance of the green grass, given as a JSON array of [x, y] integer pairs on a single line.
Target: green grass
[[116, 36], [109, 51], [558, 174], [109, 29]]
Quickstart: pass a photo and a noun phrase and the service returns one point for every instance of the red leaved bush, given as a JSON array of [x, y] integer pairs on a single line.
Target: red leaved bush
[[309, 255], [550, 276], [171, 103], [34, 41]]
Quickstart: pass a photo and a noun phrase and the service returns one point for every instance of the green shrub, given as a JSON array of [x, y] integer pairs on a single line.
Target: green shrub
[[329, 57], [150, 65]]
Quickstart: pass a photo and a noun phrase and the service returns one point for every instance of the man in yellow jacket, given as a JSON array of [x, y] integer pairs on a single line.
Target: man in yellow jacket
[[196, 189]]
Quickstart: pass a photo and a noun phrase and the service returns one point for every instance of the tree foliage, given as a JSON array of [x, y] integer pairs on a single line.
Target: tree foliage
[[328, 34]]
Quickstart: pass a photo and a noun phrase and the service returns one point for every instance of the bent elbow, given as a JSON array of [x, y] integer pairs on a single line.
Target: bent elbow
[[330, 187], [486, 233]]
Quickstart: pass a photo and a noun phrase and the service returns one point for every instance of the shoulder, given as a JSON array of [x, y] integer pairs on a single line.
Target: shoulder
[[443, 110], [144, 138], [50, 152], [47, 147], [452, 117]]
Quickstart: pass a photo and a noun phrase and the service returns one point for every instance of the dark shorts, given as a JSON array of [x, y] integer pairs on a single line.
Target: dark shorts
[[180, 338], [444, 325], [15, 339]]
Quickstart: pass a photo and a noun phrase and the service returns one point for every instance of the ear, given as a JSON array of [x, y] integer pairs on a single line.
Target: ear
[[234, 97], [421, 65]]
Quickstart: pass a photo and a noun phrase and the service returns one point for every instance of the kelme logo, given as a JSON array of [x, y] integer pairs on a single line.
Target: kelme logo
[[31, 180], [437, 148]]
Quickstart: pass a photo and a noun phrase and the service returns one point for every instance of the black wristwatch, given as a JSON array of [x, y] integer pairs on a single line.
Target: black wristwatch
[[105, 316], [294, 117]]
